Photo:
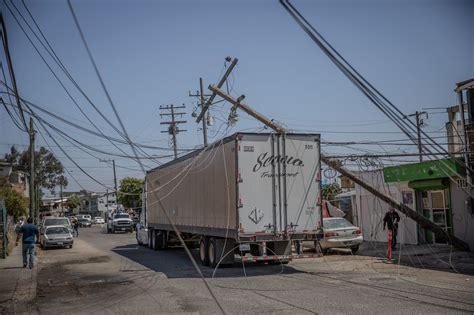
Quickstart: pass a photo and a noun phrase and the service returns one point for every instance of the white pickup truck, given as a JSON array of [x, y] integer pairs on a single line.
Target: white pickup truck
[[119, 222]]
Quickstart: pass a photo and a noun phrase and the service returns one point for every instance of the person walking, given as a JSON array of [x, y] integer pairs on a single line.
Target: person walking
[[30, 235], [75, 226], [391, 220]]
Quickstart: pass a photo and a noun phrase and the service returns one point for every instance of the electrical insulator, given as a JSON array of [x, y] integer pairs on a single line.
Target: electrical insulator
[[210, 120]]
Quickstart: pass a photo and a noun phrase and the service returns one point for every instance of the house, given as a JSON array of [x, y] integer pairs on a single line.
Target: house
[[17, 180]]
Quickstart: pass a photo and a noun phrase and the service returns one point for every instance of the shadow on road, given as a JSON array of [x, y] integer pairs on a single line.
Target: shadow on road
[[175, 263]]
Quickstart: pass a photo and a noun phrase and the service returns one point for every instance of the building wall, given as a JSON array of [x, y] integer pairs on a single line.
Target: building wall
[[463, 218], [370, 210]]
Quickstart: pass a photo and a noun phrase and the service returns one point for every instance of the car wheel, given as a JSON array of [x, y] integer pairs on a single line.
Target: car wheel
[[355, 249]]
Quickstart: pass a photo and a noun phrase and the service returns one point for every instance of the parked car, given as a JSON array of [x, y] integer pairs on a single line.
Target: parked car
[[56, 236], [50, 221], [338, 233], [84, 222], [142, 234], [98, 220]]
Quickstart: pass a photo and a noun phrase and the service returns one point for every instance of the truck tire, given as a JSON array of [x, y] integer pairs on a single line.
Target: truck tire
[[298, 247], [150, 239], [160, 240], [212, 253], [354, 249], [203, 251]]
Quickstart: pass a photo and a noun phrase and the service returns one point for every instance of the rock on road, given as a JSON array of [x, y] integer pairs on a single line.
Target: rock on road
[[110, 273]]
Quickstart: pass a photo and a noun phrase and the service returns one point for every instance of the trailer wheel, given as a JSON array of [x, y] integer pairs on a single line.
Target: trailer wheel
[[160, 240], [150, 239], [298, 247], [204, 250], [212, 253]]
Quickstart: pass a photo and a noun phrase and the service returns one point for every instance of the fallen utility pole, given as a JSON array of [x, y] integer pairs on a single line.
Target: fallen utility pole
[[336, 164]]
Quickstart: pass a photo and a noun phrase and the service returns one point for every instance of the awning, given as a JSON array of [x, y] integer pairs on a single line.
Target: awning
[[431, 184]]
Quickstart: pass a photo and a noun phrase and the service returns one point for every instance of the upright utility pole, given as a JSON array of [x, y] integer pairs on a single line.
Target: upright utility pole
[[173, 130], [32, 169], [115, 177], [202, 101], [419, 125], [115, 173]]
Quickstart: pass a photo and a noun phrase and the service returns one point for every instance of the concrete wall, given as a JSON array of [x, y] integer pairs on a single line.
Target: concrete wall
[[463, 219], [369, 210]]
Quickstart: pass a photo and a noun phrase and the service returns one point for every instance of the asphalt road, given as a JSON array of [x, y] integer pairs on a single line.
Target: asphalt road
[[105, 273]]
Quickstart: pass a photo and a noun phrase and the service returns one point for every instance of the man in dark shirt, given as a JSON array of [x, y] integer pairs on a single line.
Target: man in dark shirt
[[29, 233], [391, 220]]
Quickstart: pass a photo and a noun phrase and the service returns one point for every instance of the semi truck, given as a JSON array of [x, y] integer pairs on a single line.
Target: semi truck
[[253, 195]]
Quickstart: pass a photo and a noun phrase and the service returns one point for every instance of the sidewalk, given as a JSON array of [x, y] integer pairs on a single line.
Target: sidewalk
[[17, 284], [430, 256]]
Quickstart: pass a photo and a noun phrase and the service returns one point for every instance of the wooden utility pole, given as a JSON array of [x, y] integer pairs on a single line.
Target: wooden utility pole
[[202, 101], [419, 125], [219, 85], [173, 130], [115, 174], [32, 169], [336, 164]]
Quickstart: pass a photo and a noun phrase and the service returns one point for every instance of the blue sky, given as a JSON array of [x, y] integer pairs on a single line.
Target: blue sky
[[151, 53]]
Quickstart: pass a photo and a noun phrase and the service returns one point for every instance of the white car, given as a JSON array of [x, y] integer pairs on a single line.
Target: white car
[[338, 233], [99, 220], [56, 236]]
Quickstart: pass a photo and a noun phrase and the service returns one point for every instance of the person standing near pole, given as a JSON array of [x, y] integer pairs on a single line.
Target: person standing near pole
[[30, 235], [391, 220]]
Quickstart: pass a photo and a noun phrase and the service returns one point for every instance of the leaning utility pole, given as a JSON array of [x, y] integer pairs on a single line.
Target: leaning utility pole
[[32, 169], [173, 129], [219, 85], [419, 125], [336, 164]]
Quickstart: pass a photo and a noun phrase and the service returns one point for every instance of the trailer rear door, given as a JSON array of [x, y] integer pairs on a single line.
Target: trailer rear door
[[274, 171]]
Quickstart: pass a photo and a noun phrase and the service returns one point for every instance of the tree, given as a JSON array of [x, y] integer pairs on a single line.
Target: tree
[[48, 169], [13, 156], [15, 202], [73, 202], [130, 191], [329, 191]]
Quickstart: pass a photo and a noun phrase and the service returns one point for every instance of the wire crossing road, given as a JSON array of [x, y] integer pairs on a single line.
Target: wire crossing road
[[109, 273]]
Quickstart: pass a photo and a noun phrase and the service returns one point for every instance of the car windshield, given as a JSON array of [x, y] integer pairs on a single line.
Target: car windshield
[[121, 216], [56, 221], [57, 230], [98, 218], [336, 223]]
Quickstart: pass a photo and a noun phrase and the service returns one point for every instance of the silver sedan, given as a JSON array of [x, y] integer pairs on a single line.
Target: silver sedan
[[56, 236], [338, 233]]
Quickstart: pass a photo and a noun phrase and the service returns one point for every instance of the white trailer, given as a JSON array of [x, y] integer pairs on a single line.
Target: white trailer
[[254, 195]]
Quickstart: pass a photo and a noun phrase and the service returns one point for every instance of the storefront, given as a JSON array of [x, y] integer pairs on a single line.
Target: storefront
[[432, 183]]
